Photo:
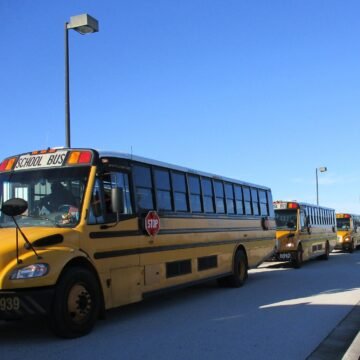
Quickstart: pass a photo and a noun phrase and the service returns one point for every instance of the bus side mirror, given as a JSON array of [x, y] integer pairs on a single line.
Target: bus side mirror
[[14, 207], [117, 200]]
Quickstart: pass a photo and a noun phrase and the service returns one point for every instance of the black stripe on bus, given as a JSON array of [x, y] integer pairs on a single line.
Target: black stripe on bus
[[109, 234], [154, 249], [207, 216]]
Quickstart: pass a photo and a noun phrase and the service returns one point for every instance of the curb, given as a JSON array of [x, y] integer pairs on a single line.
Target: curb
[[343, 343], [353, 352]]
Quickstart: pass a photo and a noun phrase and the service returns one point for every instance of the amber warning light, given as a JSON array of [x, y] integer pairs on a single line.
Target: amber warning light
[[7, 164], [293, 205]]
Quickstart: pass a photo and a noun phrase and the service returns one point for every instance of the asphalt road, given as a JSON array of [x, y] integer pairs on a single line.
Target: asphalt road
[[281, 313]]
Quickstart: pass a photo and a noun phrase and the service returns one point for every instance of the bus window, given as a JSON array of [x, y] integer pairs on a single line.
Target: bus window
[[270, 203], [247, 200], [163, 190], [143, 184], [208, 195], [239, 200], [286, 219], [101, 210], [179, 191], [255, 201], [229, 194], [219, 197], [302, 220], [263, 203], [195, 194]]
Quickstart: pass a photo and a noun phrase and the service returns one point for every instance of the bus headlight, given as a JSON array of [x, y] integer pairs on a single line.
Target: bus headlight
[[29, 272], [290, 245], [346, 239]]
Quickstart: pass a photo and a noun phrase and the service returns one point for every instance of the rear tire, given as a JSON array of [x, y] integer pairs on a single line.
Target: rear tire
[[240, 271], [327, 252], [76, 304]]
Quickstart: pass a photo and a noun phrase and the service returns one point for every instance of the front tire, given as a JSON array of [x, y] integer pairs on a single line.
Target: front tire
[[76, 304], [298, 261], [351, 247]]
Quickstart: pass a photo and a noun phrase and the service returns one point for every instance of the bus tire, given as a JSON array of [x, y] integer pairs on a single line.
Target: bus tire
[[76, 304], [240, 272], [327, 252], [298, 260], [351, 247]]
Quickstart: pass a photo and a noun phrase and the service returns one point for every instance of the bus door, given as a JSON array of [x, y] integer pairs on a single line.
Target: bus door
[[114, 236]]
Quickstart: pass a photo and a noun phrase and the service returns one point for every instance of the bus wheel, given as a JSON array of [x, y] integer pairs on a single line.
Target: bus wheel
[[298, 260], [76, 303], [240, 271], [327, 252], [351, 247]]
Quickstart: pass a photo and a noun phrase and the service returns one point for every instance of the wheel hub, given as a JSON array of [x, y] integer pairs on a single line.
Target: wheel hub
[[79, 303]]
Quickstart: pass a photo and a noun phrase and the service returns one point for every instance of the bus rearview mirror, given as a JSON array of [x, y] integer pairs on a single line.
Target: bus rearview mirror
[[117, 200], [14, 207]]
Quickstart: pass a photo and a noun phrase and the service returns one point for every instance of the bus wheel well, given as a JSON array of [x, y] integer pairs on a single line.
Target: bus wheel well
[[86, 264]]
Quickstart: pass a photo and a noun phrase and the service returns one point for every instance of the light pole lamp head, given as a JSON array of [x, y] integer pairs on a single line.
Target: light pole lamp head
[[322, 168], [83, 24]]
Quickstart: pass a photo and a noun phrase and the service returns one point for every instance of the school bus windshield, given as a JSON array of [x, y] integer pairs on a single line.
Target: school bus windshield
[[54, 196], [343, 224], [286, 219]]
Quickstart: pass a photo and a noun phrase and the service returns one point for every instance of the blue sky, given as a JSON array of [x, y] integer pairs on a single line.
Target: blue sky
[[257, 90]]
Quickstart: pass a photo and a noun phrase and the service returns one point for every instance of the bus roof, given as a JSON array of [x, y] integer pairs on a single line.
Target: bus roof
[[345, 215], [302, 204], [111, 154], [120, 155]]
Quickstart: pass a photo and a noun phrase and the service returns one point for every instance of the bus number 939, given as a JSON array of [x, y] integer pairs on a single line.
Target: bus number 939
[[9, 303]]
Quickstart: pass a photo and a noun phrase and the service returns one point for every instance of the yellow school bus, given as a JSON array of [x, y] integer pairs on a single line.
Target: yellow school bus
[[83, 231], [303, 231], [348, 235]]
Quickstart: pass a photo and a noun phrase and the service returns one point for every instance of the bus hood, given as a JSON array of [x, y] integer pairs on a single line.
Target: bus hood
[[284, 234], [285, 240], [341, 235], [41, 238]]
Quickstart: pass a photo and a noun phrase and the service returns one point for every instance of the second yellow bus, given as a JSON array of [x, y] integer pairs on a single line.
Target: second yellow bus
[[303, 231]]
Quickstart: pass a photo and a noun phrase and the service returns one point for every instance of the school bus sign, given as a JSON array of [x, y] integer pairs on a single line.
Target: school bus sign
[[152, 223]]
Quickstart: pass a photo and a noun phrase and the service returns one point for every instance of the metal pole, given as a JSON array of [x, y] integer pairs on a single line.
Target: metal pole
[[317, 188], [67, 91]]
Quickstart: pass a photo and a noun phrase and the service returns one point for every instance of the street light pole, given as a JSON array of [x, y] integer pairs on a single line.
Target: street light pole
[[321, 169], [83, 24], [67, 90]]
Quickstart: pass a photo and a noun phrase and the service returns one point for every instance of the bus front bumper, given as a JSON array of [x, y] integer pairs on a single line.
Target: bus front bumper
[[286, 256], [346, 245], [17, 304]]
